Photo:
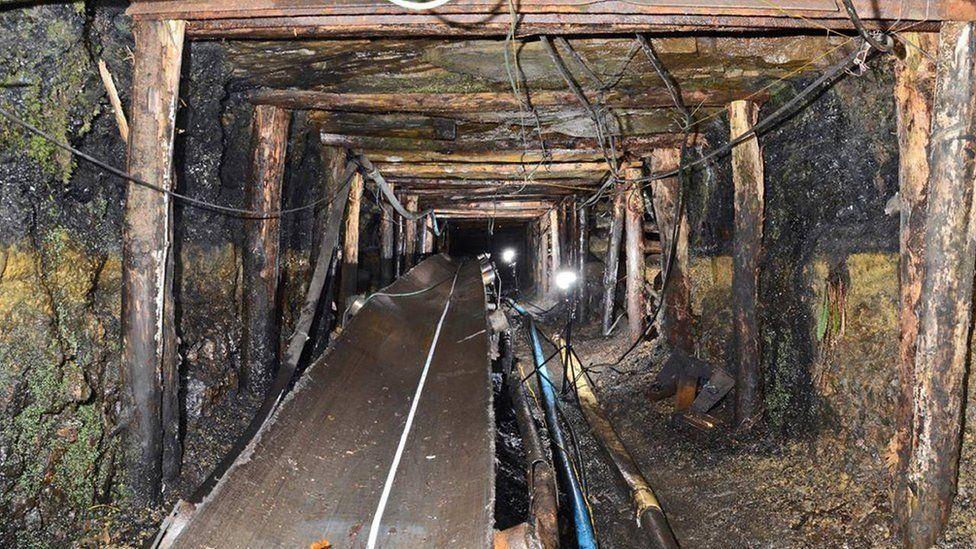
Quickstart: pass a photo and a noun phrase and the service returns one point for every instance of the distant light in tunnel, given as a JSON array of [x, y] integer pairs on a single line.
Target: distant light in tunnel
[[565, 279], [508, 255]]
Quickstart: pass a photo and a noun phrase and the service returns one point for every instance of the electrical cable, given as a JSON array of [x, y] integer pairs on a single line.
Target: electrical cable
[[387, 191], [859, 25], [597, 117], [763, 124], [391, 295], [229, 210]]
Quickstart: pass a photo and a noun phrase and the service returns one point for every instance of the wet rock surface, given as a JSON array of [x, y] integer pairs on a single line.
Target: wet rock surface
[[62, 421]]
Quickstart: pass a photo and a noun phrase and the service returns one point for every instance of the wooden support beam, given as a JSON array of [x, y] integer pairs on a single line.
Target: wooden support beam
[[149, 355], [545, 276], [259, 346], [428, 150], [487, 208], [475, 170], [399, 261], [297, 19], [914, 86], [387, 243], [747, 178], [410, 126], [427, 236], [350, 246], [567, 223], [465, 213], [410, 232], [555, 250], [582, 252], [611, 261], [454, 104], [334, 164], [499, 186], [633, 221], [500, 156], [676, 321], [946, 299]]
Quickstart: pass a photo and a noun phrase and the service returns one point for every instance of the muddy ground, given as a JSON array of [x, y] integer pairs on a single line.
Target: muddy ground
[[720, 488]]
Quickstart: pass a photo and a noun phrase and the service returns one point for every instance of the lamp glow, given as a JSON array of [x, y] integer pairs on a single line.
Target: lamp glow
[[565, 280], [508, 255]]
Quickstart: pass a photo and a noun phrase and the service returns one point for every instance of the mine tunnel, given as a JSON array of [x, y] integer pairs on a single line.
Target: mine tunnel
[[467, 273]]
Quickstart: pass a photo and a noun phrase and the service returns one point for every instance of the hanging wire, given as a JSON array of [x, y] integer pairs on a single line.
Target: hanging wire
[[189, 200]]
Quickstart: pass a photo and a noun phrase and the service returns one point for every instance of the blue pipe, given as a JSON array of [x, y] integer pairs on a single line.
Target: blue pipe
[[585, 537]]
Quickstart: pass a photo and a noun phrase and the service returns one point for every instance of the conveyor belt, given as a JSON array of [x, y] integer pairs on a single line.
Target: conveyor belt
[[319, 470]]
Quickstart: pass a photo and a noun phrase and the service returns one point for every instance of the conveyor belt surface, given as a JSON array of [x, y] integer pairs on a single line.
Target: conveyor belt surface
[[318, 470]]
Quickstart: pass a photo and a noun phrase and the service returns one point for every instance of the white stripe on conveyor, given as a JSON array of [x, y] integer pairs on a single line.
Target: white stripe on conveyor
[[374, 529]]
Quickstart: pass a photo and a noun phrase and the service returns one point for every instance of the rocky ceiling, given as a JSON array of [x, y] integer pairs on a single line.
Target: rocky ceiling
[[439, 116]]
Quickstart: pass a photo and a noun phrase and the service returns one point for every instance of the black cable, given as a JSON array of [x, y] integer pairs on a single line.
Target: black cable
[[669, 82], [237, 212], [759, 127], [865, 34]]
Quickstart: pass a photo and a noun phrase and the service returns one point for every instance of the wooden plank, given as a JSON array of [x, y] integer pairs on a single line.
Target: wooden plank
[[914, 86], [453, 104], [486, 207], [946, 300], [636, 298], [611, 261], [404, 126], [499, 156], [387, 243], [676, 320], [499, 25], [748, 180], [465, 145], [416, 184], [350, 245], [453, 213], [605, 11], [149, 358], [476, 170], [259, 342]]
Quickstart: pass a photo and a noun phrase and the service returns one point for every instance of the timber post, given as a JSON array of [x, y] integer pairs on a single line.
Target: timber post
[[149, 357], [259, 352], [636, 297], [427, 236], [611, 262], [555, 254], [349, 276], [676, 320], [410, 233], [542, 257], [582, 250], [946, 299], [387, 244], [399, 265], [914, 86], [748, 180]]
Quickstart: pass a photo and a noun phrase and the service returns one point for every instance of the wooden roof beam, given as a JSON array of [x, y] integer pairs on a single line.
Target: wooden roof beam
[[454, 213], [471, 145], [308, 18], [448, 104], [475, 170]]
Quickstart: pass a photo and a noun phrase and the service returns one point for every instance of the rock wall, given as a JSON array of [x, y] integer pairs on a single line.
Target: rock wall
[[829, 281], [61, 424]]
